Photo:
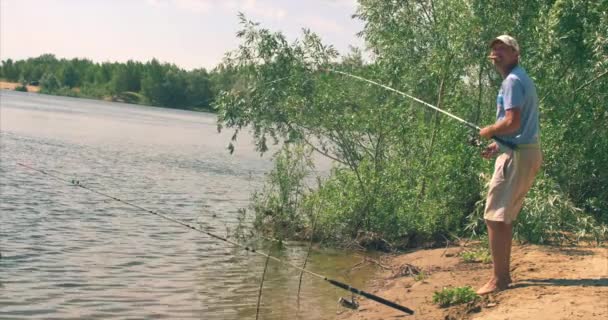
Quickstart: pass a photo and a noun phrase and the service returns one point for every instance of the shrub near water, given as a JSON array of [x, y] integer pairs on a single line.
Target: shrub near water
[[278, 206]]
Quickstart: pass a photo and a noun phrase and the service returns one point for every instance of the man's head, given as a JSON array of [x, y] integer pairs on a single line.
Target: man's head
[[504, 52]]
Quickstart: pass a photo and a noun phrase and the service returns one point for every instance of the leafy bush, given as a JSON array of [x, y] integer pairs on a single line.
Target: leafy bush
[[93, 91], [22, 88], [549, 215], [49, 83], [277, 208]]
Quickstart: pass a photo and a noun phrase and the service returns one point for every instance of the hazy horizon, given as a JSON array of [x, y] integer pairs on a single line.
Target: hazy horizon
[[188, 33]]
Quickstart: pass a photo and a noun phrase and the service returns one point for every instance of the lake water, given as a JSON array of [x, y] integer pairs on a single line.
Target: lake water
[[71, 254]]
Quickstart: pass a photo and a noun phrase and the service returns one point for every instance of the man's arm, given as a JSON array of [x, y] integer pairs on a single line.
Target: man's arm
[[509, 124]]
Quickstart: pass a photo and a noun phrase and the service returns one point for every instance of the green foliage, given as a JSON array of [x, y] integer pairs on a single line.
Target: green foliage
[[119, 81], [278, 210], [421, 276], [572, 64], [479, 255], [10, 71], [453, 296], [403, 171], [22, 88], [550, 215], [49, 83], [93, 91], [198, 89], [362, 128], [69, 75]]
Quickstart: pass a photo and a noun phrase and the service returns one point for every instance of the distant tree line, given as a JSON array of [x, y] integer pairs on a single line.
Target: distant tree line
[[153, 82]]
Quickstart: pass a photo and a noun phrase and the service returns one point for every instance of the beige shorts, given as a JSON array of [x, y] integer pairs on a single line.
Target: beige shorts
[[514, 174]]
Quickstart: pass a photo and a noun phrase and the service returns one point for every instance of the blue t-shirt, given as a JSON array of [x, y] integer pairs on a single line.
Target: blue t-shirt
[[518, 91]]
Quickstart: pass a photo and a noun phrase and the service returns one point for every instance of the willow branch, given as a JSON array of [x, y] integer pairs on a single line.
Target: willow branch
[[591, 81]]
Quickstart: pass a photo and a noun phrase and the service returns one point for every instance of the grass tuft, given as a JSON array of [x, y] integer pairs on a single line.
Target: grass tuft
[[453, 296], [480, 255]]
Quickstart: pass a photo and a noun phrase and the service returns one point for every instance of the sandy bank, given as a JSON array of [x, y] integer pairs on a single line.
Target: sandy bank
[[549, 283], [12, 85]]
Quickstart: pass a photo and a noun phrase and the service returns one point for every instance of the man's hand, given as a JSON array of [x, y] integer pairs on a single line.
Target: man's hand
[[487, 132], [508, 125], [490, 151]]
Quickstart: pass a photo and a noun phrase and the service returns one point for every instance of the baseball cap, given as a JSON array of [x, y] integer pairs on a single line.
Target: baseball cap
[[506, 39]]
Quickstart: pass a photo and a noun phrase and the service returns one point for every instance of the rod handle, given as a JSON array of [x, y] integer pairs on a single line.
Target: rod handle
[[371, 296], [510, 145]]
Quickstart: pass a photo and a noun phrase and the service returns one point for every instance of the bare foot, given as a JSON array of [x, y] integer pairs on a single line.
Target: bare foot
[[494, 285]]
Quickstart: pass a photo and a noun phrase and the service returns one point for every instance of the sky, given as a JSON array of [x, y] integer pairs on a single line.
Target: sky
[[189, 33]]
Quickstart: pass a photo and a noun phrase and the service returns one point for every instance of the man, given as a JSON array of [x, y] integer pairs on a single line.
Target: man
[[516, 122]]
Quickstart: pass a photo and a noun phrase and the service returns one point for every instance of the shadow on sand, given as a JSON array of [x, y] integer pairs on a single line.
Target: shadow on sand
[[599, 282]]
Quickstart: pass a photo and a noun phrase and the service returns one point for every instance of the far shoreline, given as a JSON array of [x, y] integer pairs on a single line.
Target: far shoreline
[[10, 86], [6, 85]]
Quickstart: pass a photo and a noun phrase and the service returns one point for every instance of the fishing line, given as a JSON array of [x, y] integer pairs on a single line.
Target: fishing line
[[451, 115], [336, 283], [467, 123]]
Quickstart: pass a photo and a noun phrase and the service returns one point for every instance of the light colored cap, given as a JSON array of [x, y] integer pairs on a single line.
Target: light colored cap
[[506, 39]]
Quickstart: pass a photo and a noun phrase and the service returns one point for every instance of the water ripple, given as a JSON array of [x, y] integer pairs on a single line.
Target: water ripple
[[71, 254]]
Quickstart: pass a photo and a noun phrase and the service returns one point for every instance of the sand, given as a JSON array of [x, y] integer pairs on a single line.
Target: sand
[[549, 283], [12, 85]]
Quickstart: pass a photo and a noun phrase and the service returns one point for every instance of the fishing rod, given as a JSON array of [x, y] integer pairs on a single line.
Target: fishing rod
[[336, 283], [467, 123]]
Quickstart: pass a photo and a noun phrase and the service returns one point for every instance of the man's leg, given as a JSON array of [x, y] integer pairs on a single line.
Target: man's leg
[[509, 244], [499, 236]]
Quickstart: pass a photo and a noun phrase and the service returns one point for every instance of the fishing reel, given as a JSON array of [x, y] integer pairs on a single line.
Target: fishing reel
[[474, 140], [349, 303]]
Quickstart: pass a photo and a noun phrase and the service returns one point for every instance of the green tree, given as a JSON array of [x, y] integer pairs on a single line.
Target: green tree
[[49, 83], [104, 73], [405, 172], [119, 82], [152, 80], [9, 71], [198, 92], [69, 76], [133, 73]]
